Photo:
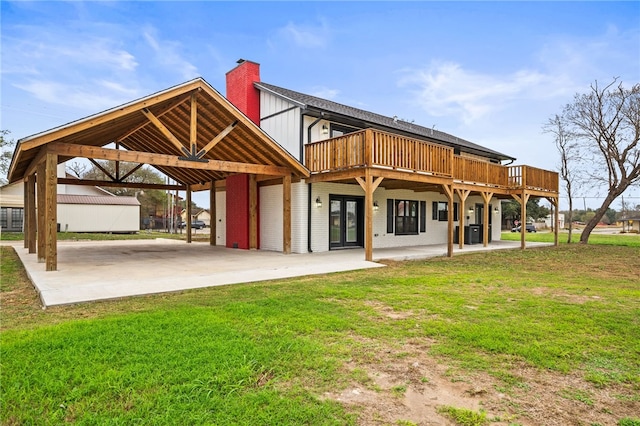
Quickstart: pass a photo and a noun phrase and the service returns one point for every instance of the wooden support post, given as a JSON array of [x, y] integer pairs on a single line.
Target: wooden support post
[[486, 197], [188, 214], [25, 209], [253, 212], [369, 185], [41, 183], [30, 219], [556, 218], [50, 212], [213, 227], [463, 194], [523, 215], [448, 191], [286, 214]]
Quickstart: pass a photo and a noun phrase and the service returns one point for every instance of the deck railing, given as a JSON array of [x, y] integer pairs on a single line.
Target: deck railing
[[373, 148]]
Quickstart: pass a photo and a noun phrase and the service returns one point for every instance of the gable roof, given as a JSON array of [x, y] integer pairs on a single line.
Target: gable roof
[[370, 119], [129, 126]]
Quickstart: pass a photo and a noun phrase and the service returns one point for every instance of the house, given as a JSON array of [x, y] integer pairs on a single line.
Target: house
[[406, 173], [288, 171], [631, 224], [80, 208]]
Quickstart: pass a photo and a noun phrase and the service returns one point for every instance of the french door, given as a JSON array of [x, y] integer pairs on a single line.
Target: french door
[[346, 221]]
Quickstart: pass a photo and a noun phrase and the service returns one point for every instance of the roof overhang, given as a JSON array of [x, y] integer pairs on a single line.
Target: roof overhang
[[189, 132]]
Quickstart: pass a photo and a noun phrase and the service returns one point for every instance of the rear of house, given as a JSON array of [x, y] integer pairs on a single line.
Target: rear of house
[[338, 144]]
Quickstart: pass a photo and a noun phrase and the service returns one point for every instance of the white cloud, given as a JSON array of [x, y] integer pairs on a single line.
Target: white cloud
[[446, 88], [325, 93], [96, 97], [306, 36], [168, 53]]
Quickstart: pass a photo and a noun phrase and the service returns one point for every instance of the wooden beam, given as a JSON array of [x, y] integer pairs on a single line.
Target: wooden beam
[[213, 222], [286, 214], [164, 160], [108, 183], [31, 218], [178, 101], [40, 193], [253, 212], [50, 213], [166, 132], [33, 166], [193, 124], [103, 170], [217, 139], [130, 172]]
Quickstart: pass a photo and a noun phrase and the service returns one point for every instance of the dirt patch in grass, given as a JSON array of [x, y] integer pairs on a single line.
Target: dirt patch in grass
[[395, 385]]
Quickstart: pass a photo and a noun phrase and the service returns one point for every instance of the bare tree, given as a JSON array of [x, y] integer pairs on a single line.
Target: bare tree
[[77, 168], [569, 159], [606, 123]]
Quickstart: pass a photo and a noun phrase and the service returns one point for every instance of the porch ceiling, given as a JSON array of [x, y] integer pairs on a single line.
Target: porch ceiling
[[132, 127]]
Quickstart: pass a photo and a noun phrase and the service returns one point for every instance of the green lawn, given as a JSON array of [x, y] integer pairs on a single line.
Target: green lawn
[[266, 353]]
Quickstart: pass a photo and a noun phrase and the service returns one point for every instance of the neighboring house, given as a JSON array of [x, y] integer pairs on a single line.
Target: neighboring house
[[548, 221], [202, 214], [80, 208], [631, 224]]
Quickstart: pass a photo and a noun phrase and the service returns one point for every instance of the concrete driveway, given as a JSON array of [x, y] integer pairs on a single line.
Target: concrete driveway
[[97, 270]]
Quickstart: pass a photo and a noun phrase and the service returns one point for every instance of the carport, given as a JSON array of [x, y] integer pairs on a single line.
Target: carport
[[189, 132]]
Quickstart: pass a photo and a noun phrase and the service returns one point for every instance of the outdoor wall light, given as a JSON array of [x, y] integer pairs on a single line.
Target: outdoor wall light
[[325, 129], [318, 202], [496, 210], [470, 210], [375, 206]]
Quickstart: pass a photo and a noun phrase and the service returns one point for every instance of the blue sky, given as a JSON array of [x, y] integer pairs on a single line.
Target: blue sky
[[489, 72]]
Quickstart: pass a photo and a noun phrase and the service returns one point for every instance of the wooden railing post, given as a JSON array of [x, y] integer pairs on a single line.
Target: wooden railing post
[[368, 148]]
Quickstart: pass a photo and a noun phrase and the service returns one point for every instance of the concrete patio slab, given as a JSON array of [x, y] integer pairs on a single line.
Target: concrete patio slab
[[98, 270]]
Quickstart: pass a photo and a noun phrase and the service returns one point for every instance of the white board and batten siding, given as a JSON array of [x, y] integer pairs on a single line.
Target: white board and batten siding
[[281, 120]]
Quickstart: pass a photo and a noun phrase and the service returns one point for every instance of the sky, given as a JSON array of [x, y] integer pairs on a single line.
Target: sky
[[489, 72]]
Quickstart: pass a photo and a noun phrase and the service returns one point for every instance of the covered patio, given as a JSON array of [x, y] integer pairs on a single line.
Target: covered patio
[[100, 270], [189, 132]]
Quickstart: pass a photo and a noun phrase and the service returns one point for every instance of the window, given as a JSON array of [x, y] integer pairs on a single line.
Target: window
[[16, 216], [441, 211], [3, 217], [406, 215], [339, 130]]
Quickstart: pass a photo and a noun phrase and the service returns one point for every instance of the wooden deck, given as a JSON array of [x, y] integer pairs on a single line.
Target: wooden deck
[[375, 149]]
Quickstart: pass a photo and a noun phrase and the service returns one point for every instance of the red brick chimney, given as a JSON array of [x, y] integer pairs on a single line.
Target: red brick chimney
[[240, 90]]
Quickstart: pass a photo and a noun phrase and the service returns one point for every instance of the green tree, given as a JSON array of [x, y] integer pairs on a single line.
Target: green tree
[[511, 209], [6, 152], [152, 201]]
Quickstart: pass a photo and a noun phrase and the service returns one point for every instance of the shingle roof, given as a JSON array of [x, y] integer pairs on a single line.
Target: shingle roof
[[313, 102], [100, 200]]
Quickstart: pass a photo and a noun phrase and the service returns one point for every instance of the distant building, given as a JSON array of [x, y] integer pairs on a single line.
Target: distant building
[[548, 221], [80, 208]]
